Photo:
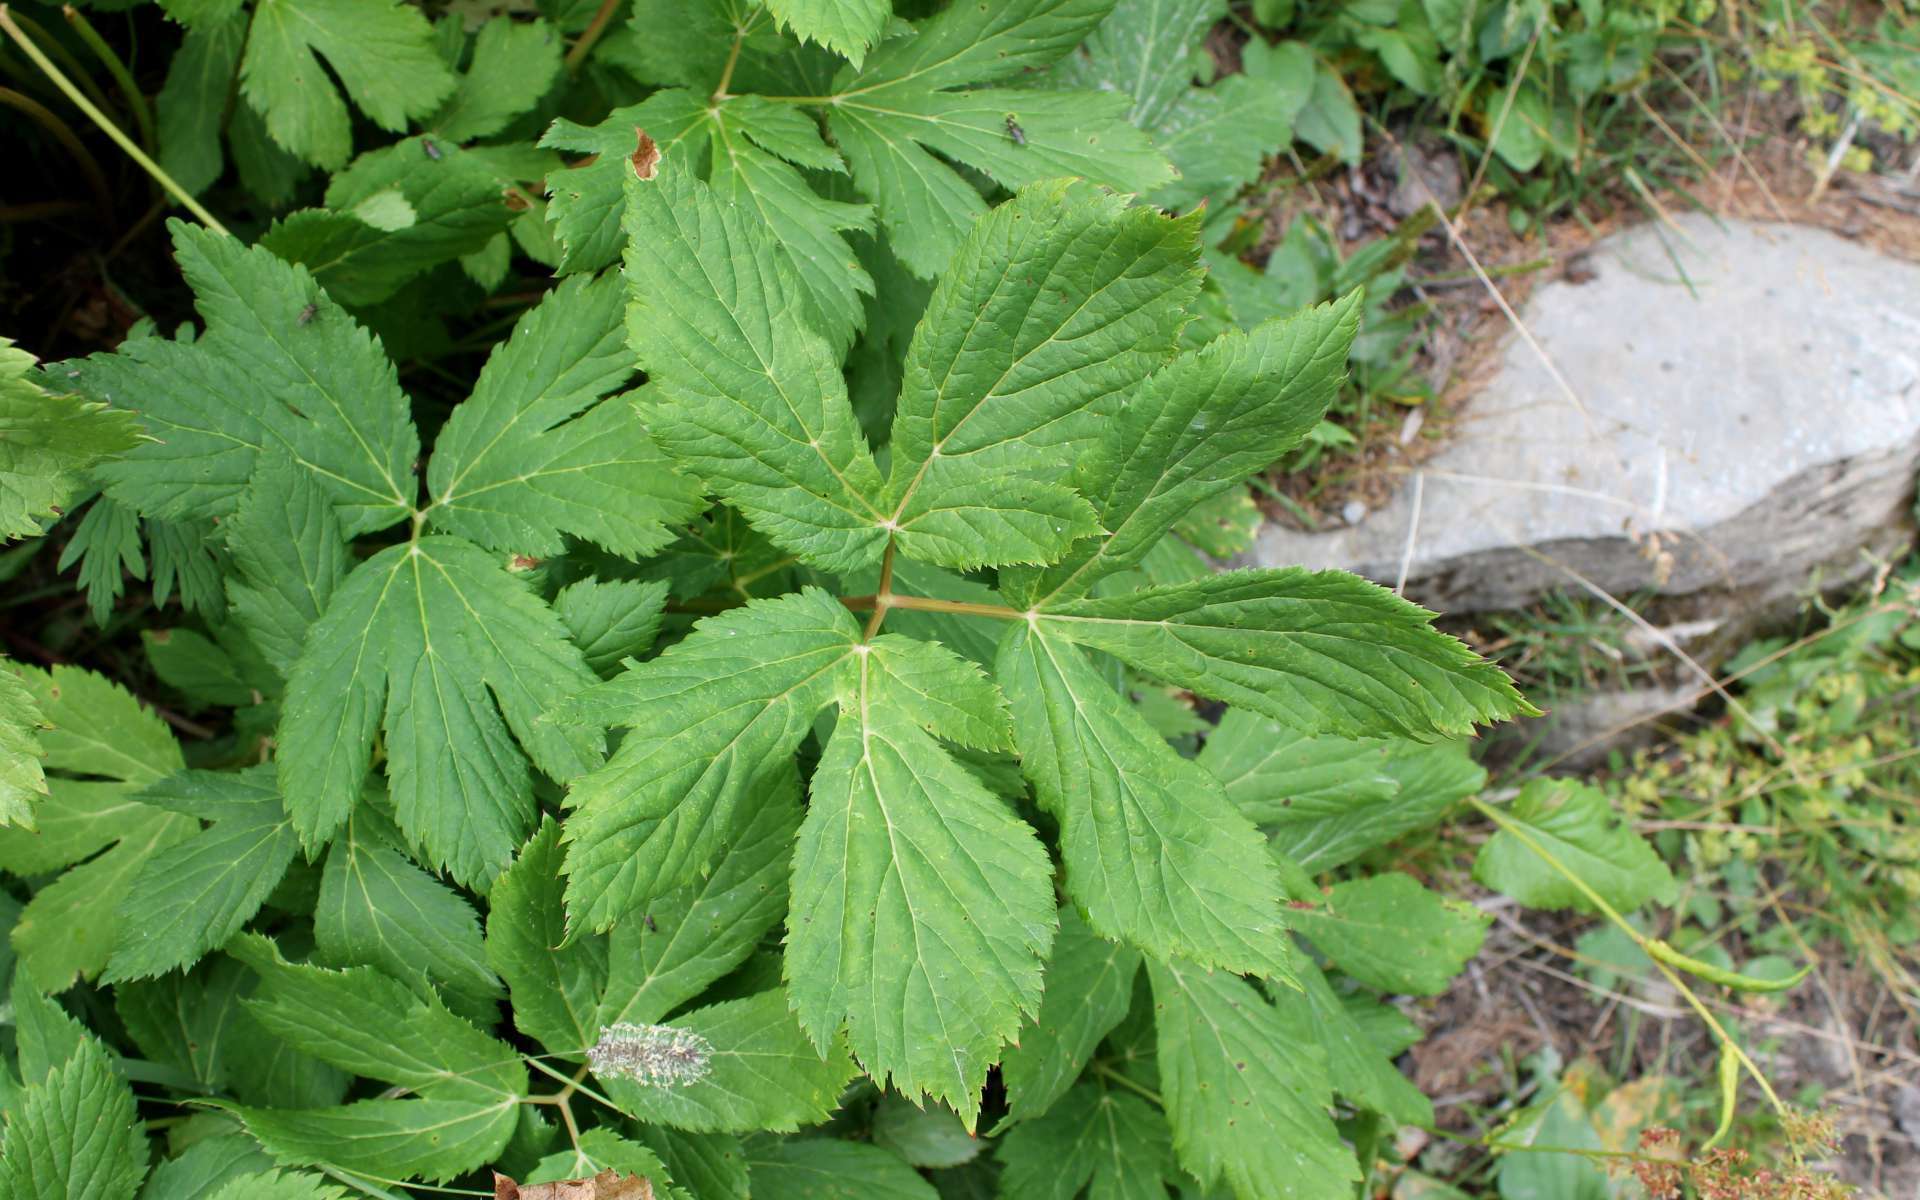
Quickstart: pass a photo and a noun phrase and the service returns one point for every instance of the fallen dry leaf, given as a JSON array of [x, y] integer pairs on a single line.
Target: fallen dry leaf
[[607, 1185]]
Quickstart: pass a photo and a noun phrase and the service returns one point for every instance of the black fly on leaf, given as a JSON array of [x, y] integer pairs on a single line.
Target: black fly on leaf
[[1015, 134]]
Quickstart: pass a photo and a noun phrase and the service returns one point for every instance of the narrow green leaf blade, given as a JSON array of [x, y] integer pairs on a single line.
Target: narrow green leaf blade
[[1089, 986], [1576, 824], [748, 396], [1392, 934], [1246, 1087], [434, 1140], [1322, 651], [1153, 851], [922, 907], [555, 987], [708, 719]]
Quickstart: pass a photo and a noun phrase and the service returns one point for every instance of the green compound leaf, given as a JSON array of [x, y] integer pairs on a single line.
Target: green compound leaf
[[23, 780], [1153, 851], [1246, 1088], [1360, 1069], [922, 911], [464, 659], [48, 440], [280, 368], [1576, 824], [382, 52], [919, 96], [1089, 986], [1392, 934], [394, 214], [1323, 651], [690, 937], [707, 721], [1197, 429], [377, 909], [748, 1066], [1150, 50], [818, 1168], [756, 152], [74, 1133], [539, 450], [743, 391], [1328, 800], [101, 748], [369, 1023], [847, 27], [434, 1140], [1112, 1141], [191, 897], [1056, 303], [289, 556]]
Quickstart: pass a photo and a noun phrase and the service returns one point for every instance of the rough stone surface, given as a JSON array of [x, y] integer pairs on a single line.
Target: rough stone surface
[[1748, 416]]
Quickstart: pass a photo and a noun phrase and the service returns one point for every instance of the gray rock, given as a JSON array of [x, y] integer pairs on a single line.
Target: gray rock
[[1748, 416]]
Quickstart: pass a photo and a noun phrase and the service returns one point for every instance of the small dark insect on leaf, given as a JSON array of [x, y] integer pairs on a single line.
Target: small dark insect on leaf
[[306, 314], [651, 927], [433, 151], [1016, 134]]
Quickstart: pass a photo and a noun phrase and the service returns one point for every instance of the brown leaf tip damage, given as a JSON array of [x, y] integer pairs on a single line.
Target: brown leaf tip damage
[[646, 159]]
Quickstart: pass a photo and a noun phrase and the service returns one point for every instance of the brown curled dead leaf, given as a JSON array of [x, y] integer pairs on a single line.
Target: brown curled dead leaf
[[607, 1185]]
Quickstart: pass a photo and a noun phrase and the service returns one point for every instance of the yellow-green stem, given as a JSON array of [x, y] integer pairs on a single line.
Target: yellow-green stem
[[122, 78], [1612, 914], [107, 127]]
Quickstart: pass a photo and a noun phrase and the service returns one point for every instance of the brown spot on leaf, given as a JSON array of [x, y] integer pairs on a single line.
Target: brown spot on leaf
[[646, 159]]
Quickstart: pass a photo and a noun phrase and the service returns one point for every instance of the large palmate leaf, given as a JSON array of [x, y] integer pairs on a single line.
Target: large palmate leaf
[[1154, 852], [1150, 50], [1055, 304], [538, 449], [101, 748], [1574, 823], [382, 52], [279, 367], [920, 95], [1196, 429], [743, 390], [436, 644], [922, 911], [709, 720], [1323, 651], [191, 897], [45, 441], [1246, 1087]]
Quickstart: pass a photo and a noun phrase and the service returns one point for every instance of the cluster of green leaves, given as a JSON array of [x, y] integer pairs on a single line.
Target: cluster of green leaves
[[747, 737]]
